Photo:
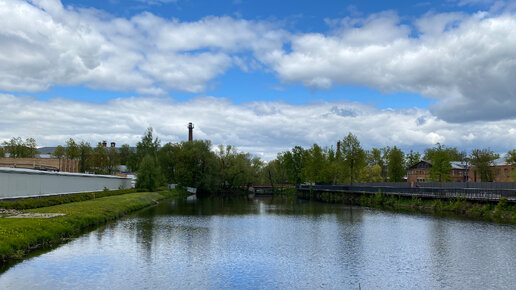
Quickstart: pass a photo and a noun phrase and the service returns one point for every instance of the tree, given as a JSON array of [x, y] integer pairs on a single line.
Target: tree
[[371, 173], [482, 160], [72, 149], [17, 148], [354, 156], [149, 176], [293, 162], [124, 152], [2, 152], [510, 158], [411, 159], [452, 153], [440, 160], [396, 169], [99, 160], [85, 151], [59, 152]]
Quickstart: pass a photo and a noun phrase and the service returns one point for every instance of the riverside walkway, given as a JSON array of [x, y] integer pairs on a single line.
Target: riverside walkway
[[475, 191]]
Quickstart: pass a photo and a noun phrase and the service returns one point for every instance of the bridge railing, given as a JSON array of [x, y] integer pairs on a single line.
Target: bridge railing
[[431, 192]]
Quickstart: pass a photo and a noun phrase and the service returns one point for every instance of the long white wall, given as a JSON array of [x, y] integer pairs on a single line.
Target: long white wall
[[15, 182]]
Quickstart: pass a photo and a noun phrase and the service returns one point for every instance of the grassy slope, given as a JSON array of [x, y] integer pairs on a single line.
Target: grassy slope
[[19, 236]]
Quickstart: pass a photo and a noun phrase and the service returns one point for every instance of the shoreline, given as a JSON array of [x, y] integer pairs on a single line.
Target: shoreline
[[21, 236], [501, 212]]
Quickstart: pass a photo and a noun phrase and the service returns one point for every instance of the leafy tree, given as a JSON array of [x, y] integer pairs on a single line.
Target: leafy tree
[[124, 152], [482, 160], [85, 151], [17, 148], [59, 152], [148, 145], [2, 152], [411, 159], [149, 176], [453, 153], [98, 159], [354, 156], [510, 157], [440, 161], [316, 165], [72, 149], [396, 169], [293, 162], [380, 156], [371, 173]]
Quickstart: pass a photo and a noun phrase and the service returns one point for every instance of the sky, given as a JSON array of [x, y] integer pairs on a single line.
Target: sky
[[263, 76]]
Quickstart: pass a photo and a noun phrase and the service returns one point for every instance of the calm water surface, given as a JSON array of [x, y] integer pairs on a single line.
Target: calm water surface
[[265, 244]]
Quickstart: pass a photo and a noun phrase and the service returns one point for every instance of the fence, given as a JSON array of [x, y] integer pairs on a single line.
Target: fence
[[17, 183], [482, 191]]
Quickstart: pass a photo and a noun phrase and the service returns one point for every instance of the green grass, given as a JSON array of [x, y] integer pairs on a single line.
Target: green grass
[[20, 236], [36, 202]]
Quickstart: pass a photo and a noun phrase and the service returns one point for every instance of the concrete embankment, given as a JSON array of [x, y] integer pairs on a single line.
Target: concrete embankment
[[19, 236]]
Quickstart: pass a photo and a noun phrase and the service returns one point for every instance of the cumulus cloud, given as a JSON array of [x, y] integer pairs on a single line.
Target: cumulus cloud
[[262, 128], [466, 62], [147, 54]]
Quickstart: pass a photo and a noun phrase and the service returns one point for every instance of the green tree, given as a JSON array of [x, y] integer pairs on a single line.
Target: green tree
[[149, 176], [59, 152], [293, 162], [354, 156], [85, 151], [371, 173], [396, 169], [453, 153], [316, 165], [2, 152], [440, 160], [17, 148], [411, 159], [482, 160], [124, 151], [99, 160], [72, 150], [510, 158]]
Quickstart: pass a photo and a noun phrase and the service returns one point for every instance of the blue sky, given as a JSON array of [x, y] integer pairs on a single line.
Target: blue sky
[[399, 73]]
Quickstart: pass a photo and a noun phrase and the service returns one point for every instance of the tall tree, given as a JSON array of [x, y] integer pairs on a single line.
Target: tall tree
[[354, 156], [59, 152], [85, 151], [396, 169], [149, 176], [510, 157], [453, 153], [293, 162], [482, 160], [440, 160], [72, 149]]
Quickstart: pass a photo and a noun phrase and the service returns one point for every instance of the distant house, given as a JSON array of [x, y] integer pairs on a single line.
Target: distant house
[[419, 172], [501, 172]]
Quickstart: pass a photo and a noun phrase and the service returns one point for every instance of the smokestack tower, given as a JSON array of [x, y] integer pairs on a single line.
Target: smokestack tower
[[190, 131], [338, 146]]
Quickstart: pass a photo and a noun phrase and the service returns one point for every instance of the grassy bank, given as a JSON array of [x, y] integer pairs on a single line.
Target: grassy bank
[[501, 212], [18, 236]]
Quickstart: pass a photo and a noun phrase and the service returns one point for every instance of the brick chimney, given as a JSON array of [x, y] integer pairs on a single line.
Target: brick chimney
[[113, 144], [104, 143], [190, 131]]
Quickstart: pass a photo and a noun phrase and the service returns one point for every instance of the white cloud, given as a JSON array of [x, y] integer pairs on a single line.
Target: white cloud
[[262, 128], [68, 46], [466, 62]]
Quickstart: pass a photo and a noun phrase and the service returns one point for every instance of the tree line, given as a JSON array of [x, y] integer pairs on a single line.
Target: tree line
[[196, 164]]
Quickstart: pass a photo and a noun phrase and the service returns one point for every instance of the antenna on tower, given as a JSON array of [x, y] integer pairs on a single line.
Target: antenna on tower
[[190, 131]]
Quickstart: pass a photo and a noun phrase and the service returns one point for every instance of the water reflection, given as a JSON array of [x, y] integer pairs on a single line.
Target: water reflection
[[240, 243]]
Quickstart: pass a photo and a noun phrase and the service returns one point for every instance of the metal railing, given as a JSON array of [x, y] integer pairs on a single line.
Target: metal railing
[[474, 191]]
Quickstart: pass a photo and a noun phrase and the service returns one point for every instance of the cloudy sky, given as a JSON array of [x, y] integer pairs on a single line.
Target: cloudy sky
[[262, 75]]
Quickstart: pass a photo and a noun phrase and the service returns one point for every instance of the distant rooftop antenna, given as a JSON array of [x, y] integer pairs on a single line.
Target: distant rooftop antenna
[[190, 131]]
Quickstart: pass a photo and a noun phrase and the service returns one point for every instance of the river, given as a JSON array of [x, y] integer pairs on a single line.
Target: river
[[274, 244]]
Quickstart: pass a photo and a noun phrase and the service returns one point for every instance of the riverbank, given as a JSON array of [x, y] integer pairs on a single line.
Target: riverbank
[[19, 236], [501, 212]]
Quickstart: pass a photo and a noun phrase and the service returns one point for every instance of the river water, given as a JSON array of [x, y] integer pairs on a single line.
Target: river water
[[266, 244]]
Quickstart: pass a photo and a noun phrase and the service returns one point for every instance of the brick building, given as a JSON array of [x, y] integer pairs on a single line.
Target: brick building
[[419, 172], [48, 164]]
